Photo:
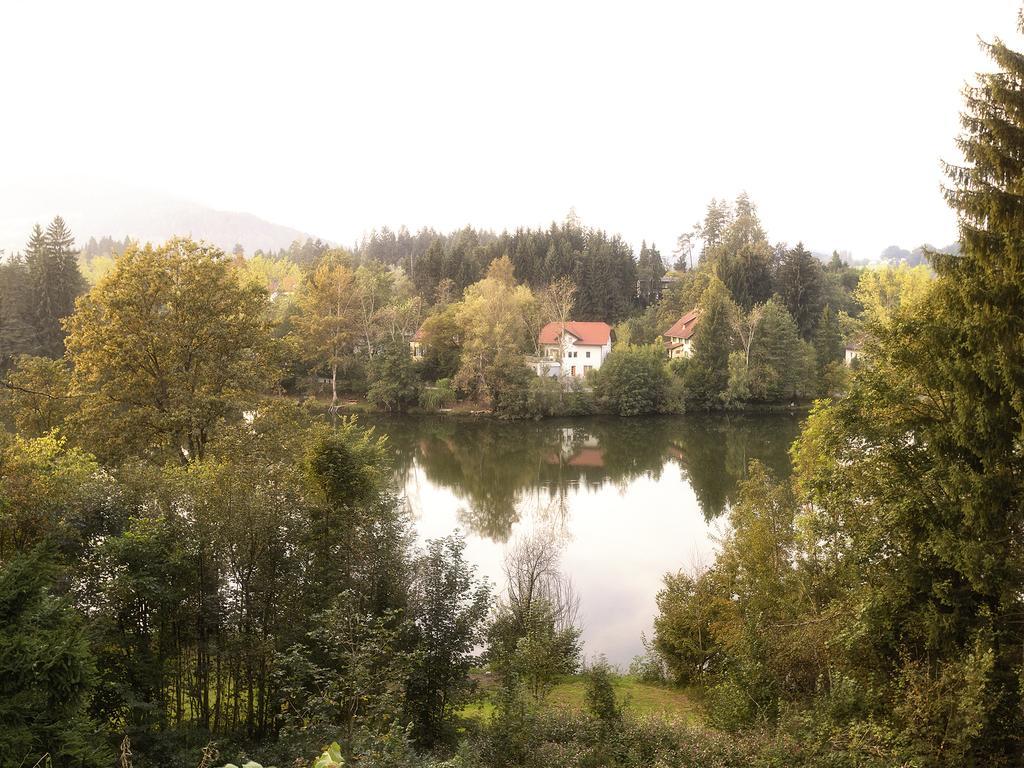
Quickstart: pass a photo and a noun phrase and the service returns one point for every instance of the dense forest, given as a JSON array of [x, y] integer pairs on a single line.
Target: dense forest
[[200, 564], [777, 318]]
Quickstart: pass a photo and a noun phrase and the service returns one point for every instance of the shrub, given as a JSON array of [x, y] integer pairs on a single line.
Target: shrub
[[440, 395], [602, 703], [648, 667], [633, 380], [394, 384]]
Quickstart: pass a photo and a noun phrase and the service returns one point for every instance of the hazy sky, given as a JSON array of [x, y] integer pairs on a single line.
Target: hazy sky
[[338, 117]]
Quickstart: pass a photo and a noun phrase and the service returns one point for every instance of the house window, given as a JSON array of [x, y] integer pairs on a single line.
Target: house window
[[588, 353], [587, 368]]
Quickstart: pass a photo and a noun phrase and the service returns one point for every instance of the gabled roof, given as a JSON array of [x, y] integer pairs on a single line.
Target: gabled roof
[[420, 334], [595, 334], [684, 326]]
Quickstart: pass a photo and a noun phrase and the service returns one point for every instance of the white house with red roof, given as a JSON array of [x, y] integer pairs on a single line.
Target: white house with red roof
[[679, 338], [574, 348]]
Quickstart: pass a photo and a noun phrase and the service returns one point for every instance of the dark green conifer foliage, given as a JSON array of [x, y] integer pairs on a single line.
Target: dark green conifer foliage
[[737, 249], [649, 271], [919, 470], [707, 374], [982, 327], [775, 356], [46, 671], [54, 283], [800, 281], [16, 331], [828, 338]]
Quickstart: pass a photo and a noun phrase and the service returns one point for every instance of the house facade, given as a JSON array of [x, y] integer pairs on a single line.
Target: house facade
[[416, 343], [853, 352], [574, 348], [679, 338]]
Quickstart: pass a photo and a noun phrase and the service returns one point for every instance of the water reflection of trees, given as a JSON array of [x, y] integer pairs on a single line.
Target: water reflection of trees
[[500, 468]]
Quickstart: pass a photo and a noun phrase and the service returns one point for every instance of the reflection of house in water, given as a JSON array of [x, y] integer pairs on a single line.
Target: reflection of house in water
[[579, 450], [504, 472], [676, 453]]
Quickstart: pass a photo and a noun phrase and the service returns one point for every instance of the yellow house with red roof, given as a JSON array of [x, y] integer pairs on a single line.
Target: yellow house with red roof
[[679, 338]]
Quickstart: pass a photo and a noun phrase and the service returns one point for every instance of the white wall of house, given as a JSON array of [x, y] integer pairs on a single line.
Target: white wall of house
[[685, 348], [577, 359]]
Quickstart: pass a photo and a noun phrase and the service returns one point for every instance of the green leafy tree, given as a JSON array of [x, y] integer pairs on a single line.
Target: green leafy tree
[[496, 320], [165, 347], [37, 399], [441, 344], [449, 609], [394, 382], [602, 703], [346, 677], [688, 606], [829, 351], [326, 323], [48, 492], [882, 290], [633, 380], [510, 385], [357, 538]]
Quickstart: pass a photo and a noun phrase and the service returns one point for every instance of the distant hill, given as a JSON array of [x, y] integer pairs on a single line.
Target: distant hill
[[894, 254], [98, 211]]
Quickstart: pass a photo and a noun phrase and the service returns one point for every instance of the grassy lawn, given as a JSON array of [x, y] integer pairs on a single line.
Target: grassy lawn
[[640, 699]]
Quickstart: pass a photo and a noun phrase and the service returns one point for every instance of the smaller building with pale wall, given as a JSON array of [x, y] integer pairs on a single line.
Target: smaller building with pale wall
[[679, 338]]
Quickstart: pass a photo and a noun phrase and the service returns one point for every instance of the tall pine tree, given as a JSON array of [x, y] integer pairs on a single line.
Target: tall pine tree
[[55, 281], [800, 281], [17, 333], [916, 478]]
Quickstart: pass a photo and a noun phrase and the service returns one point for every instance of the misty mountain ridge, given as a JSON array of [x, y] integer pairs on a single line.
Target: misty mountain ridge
[[141, 215]]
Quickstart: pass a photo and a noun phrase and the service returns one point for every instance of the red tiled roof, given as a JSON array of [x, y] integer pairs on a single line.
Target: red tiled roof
[[420, 335], [596, 334], [588, 457], [684, 327]]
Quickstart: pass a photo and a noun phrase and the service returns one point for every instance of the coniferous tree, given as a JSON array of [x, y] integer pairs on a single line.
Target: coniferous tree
[[649, 270], [828, 338], [737, 249], [778, 357], [799, 280], [707, 374], [46, 671], [17, 334], [55, 282], [916, 475]]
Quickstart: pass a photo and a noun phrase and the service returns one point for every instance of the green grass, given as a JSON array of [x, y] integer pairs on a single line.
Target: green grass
[[645, 699]]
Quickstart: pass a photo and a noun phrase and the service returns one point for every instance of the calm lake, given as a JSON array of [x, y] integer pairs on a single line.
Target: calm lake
[[633, 498]]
